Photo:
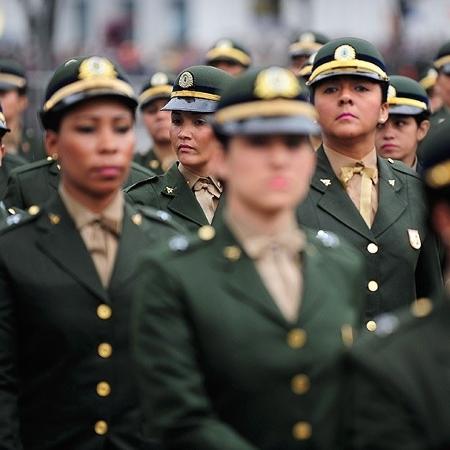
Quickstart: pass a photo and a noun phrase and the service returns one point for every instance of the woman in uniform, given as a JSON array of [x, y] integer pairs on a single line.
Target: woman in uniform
[[238, 338], [189, 190], [67, 272]]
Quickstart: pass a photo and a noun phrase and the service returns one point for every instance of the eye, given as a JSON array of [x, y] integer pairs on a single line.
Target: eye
[[329, 89], [200, 121], [361, 88], [294, 142], [122, 129], [257, 141], [85, 129], [176, 120]]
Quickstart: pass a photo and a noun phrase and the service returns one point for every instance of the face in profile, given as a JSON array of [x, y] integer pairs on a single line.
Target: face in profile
[[156, 121]]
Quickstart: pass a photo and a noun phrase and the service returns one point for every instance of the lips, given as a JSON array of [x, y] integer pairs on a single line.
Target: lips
[[346, 115], [278, 182], [185, 148], [108, 171]]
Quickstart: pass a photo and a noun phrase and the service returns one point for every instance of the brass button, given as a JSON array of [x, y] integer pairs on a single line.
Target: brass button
[[206, 232], [372, 286], [296, 338], [232, 252], [33, 210], [372, 248], [103, 389], [104, 350], [302, 431], [422, 307], [153, 164], [371, 325], [104, 311], [300, 384], [101, 427]]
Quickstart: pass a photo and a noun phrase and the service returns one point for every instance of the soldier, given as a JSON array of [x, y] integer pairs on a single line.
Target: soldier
[[301, 49], [399, 396], [399, 137], [67, 272], [376, 204], [229, 55], [442, 64], [13, 97], [189, 189], [154, 96], [428, 81], [237, 337]]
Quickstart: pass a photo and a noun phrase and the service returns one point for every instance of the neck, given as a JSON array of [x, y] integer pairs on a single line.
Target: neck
[[163, 150], [409, 160], [355, 148], [14, 124], [96, 204], [262, 222]]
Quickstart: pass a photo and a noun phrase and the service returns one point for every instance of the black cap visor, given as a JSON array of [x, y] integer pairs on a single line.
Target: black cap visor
[[191, 104]]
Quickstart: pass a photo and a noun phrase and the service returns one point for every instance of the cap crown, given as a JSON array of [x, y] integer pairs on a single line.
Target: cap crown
[[404, 91], [12, 74], [229, 50], [158, 85], [307, 43]]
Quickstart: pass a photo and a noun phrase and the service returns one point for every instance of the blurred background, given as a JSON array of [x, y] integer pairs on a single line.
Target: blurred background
[[147, 35]]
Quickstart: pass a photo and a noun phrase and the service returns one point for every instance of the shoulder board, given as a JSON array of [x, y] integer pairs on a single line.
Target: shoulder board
[[136, 167], [29, 167], [140, 183], [403, 168], [16, 220], [183, 242], [159, 215]]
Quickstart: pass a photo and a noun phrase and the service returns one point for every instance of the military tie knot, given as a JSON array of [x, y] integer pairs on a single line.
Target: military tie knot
[[347, 173]]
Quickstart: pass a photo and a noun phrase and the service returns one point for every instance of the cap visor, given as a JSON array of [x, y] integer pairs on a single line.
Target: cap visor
[[349, 72], [271, 125], [446, 69], [7, 86], [190, 104], [405, 110]]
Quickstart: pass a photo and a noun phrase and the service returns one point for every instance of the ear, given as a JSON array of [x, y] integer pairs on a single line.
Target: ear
[[51, 140], [422, 129], [384, 113]]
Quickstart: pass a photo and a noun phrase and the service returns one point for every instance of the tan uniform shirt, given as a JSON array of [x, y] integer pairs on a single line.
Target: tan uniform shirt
[[100, 232], [353, 187], [277, 260], [207, 190]]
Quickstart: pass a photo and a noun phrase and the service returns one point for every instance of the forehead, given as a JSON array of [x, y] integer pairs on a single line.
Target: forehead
[[100, 107], [190, 114], [340, 79]]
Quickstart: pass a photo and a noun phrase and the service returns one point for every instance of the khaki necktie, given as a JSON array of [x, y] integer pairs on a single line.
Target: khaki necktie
[[368, 176], [205, 193]]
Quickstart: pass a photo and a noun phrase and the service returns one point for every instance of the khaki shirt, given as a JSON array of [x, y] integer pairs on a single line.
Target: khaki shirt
[[277, 260], [99, 231]]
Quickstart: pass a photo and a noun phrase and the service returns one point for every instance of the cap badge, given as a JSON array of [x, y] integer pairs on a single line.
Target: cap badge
[[391, 92], [344, 53], [224, 43], [97, 66], [307, 38], [186, 80], [276, 82], [159, 78]]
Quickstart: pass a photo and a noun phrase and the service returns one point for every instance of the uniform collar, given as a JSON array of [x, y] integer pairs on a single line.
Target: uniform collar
[[192, 178]]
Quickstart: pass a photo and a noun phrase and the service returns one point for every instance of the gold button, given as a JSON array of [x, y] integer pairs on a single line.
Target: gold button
[[371, 325], [104, 311], [372, 248], [206, 232], [101, 427], [136, 219], [302, 431], [421, 307], [154, 164], [372, 286], [33, 210], [300, 384], [296, 338], [104, 350], [232, 252], [103, 389]]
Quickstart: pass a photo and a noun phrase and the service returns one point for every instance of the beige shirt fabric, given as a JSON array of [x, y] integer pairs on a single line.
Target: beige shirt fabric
[[99, 231], [353, 187], [277, 260], [207, 190]]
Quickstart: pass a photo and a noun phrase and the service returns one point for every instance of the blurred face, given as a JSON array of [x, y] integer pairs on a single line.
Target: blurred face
[[349, 107], [230, 67], [297, 62], [399, 136], [268, 174], [94, 145], [193, 141], [13, 104], [157, 122], [443, 86]]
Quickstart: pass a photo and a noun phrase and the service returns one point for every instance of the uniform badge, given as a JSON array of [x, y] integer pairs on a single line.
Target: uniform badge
[[169, 190], [414, 239], [391, 182], [96, 66], [276, 82], [224, 43], [186, 80], [344, 53], [325, 181], [158, 79], [391, 92], [307, 38]]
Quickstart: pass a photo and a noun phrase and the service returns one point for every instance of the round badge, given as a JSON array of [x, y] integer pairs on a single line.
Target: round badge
[[391, 92], [345, 53], [276, 82], [307, 37], [159, 78], [224, 43], [186, 80]]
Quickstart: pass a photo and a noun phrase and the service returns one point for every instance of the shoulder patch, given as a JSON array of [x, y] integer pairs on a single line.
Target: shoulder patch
[[31, 167], [328, 239]]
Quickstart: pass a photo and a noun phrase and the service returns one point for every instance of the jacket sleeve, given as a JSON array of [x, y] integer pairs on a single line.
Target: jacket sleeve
[[9, 421], [176, 406], [13, 197]]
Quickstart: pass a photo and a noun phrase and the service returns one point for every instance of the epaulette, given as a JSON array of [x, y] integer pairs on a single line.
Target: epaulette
[[160, 216], [19, 218], [33, 165], [328, 239], [184, 242], [141, 183], [141, 169], [403, 168]]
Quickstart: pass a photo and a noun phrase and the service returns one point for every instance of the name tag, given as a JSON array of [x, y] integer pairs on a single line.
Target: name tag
[[414, 239]]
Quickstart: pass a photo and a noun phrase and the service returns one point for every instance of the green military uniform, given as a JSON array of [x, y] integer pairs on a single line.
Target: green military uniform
[[441, 63], [400, 253], [196, 89], [158, 86], [220, 366], [35, 183], [228, 50]]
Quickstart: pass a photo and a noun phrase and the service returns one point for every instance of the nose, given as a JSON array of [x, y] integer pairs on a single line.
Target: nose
[[279, 154], [387, 131], [185, 131], [346, 95], [107, 140]]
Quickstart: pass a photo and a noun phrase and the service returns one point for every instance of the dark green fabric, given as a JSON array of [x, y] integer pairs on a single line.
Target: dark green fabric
[[149, 160], [171, 193], [402, 272], [399, 396], [49, 329], [214, 365], [35, 183], [9, 162]]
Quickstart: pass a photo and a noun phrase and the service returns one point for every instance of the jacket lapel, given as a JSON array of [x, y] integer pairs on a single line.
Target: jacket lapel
[[335, 201], [182, 201], [391, 198], [62, 243], [53, 174]]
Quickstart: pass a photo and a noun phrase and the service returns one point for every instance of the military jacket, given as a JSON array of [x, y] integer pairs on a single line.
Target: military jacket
[[149, 160], [9, 162], [220, 368], [35, 183], [399, 378], [170, 192], [66, 375], [401, 254]]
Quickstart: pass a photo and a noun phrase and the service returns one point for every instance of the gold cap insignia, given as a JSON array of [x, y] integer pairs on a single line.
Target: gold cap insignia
[[391, 92], [96, 66], [276, 82], [307, 38], [414, 239], [224, 43], [186, 80], [158, 79], [344, 53]]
